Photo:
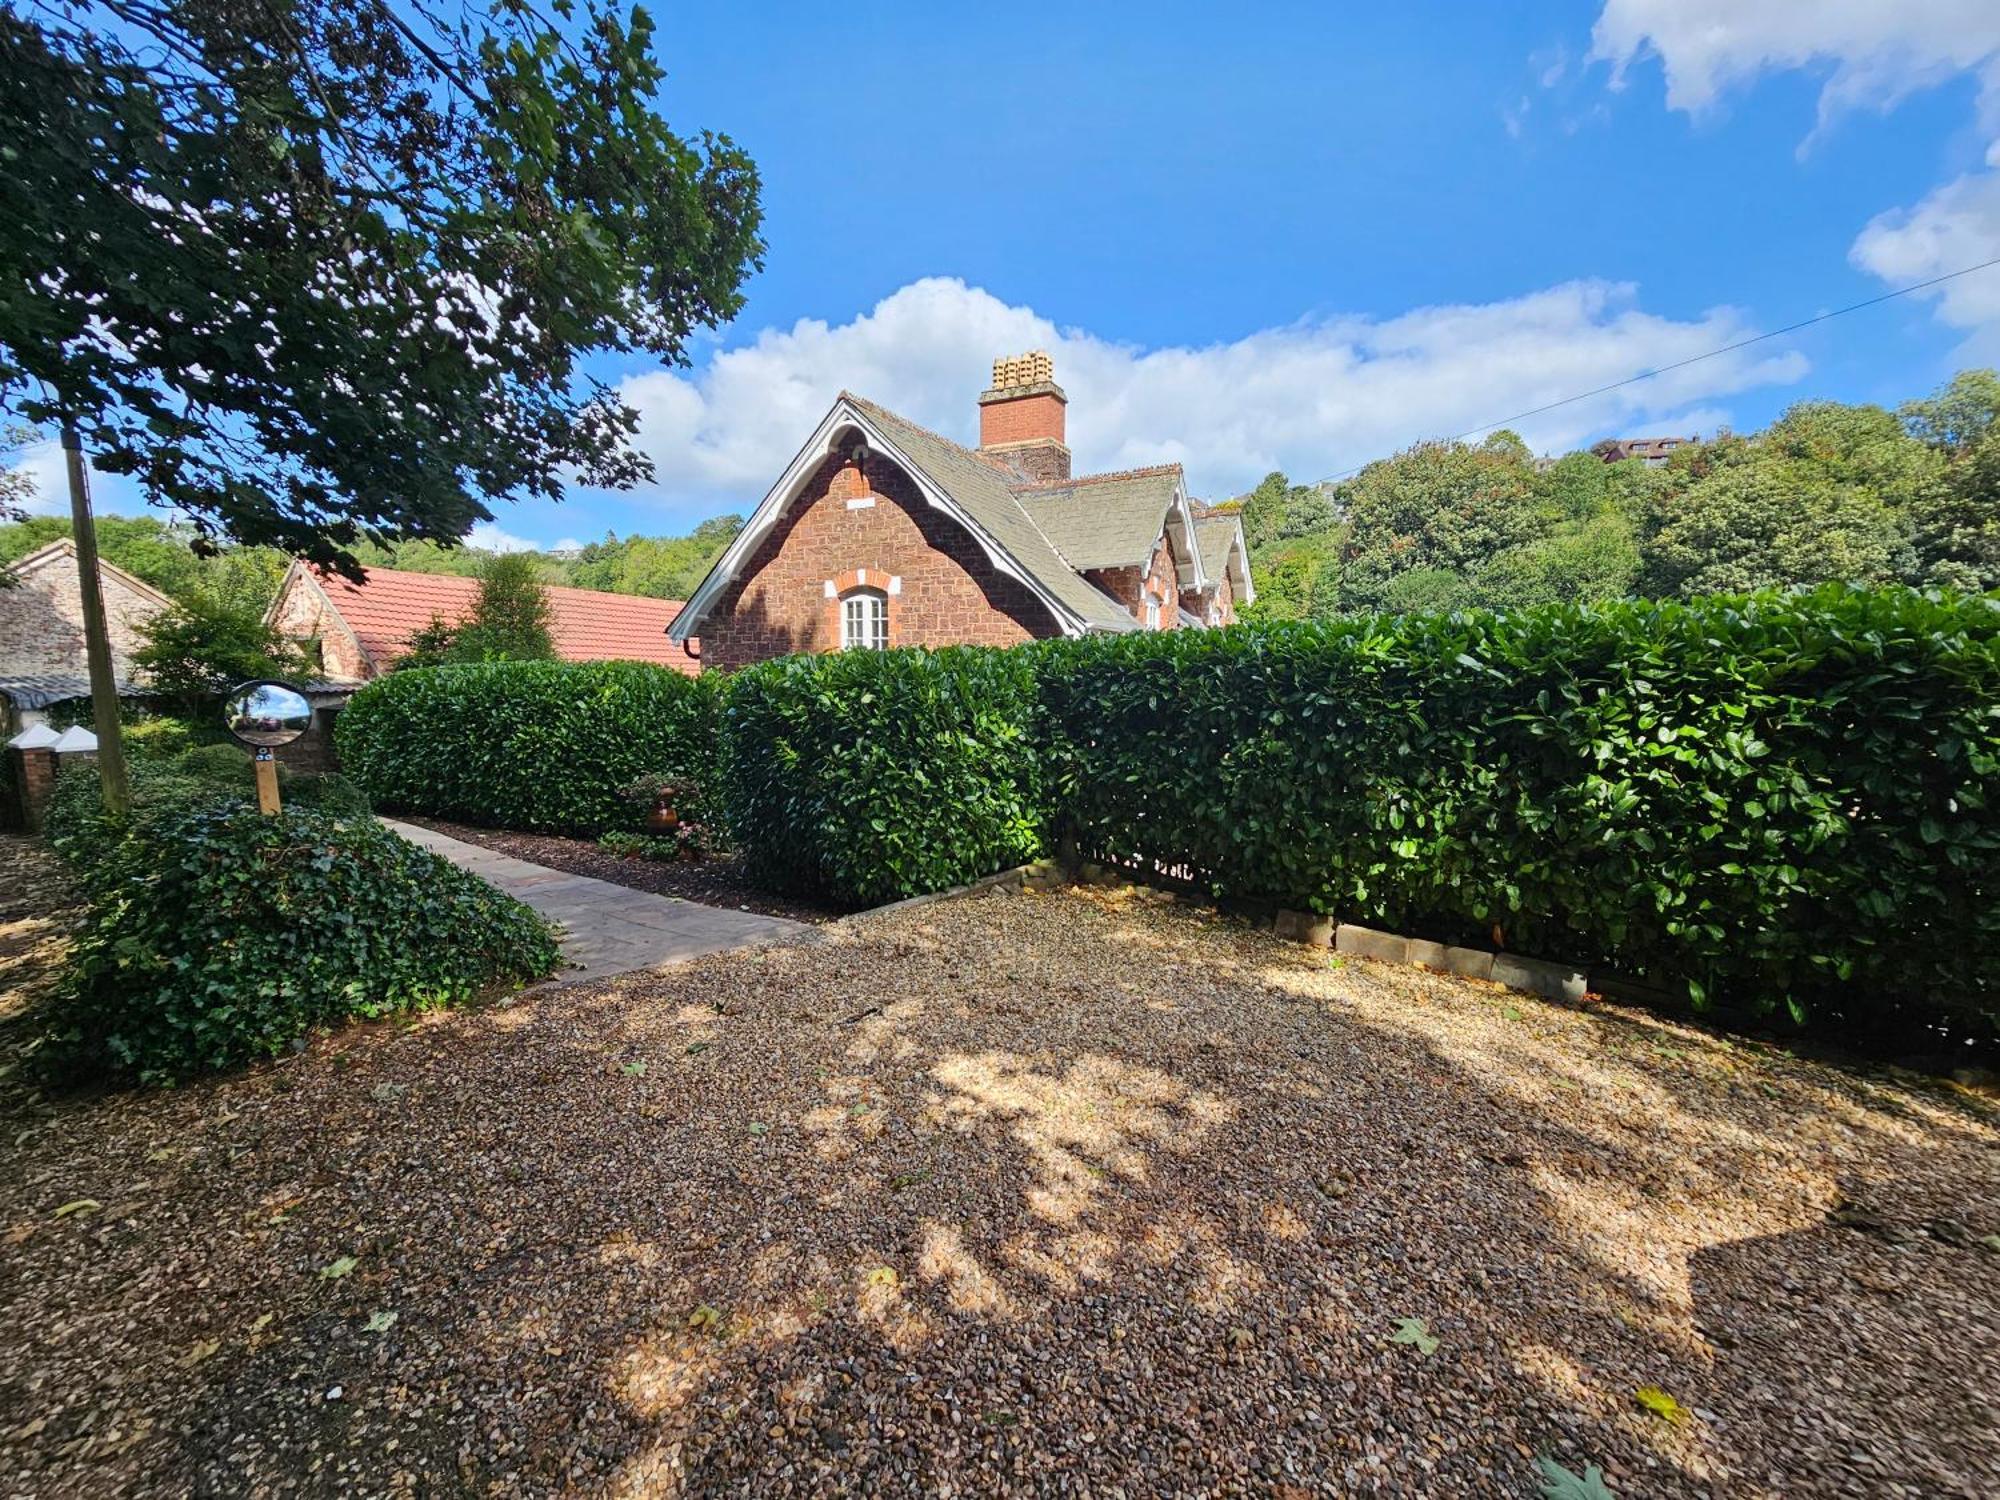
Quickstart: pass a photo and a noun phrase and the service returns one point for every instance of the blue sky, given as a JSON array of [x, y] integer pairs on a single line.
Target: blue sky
[[1302, 236]]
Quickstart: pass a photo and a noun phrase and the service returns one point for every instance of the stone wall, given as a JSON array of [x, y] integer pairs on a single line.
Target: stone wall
[[41, 621]]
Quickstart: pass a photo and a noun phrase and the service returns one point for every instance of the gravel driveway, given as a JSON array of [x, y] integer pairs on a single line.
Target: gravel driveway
[[1083, 1192]]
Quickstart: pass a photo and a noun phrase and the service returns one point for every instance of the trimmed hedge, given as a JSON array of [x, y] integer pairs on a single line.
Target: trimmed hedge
[[529, 745], [1785, 799], [864, 776], [217, 935]]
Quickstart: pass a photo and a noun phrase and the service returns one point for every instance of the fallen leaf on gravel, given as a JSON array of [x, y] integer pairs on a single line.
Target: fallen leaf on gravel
[[1661, 1405], [200, 1351], [882, 1276], [1991, 1241], [1415, 1331], [78, 1206], [706, 1317], [334, 1270], [263, 1321], [18, 1233], [1559, 1483], [389, 1093], [380, 1322], [1242, 1338], [911, 1179], [694, 1047], [633, 1069], [758, 1127]]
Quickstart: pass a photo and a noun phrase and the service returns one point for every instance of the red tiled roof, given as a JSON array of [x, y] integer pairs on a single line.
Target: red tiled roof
[[584, 624]]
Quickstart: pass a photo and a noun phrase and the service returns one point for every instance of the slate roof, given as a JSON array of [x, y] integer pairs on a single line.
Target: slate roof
[[983, 488], [1104, 520], [1215, 535], [585, 625], [39, 690]]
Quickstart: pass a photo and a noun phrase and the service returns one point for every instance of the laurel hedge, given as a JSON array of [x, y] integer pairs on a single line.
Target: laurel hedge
[[540, 746], [1785, 799], [863, 776]]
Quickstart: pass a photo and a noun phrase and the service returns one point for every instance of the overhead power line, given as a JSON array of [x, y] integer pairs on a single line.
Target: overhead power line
[[1695, 359]]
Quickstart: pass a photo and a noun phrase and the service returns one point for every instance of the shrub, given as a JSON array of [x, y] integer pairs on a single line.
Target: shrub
[[1783, 798], [75, 823], [163, 736], [863, 776], [529, 745], [217, 935]]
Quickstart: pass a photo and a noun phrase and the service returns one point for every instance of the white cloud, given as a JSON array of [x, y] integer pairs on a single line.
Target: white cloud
[[490, 538], [1957, 225], [1875, 52], [1310, 398], [110, 494]]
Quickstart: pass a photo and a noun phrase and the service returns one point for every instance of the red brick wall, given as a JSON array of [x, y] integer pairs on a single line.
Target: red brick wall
[[1220, 601], [1131, 587], [1037, 418], [948, 593]]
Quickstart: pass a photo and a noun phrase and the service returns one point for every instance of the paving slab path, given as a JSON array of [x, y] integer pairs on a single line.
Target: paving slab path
[[610, 929]]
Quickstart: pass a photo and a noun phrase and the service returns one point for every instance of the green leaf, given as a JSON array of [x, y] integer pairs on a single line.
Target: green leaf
[[334, 1270], [379, 1322], [1661, 1405], [1559, 1483], [1415, 1331]]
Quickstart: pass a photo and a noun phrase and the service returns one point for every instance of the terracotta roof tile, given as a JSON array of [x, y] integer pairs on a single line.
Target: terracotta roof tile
[[585, 625]]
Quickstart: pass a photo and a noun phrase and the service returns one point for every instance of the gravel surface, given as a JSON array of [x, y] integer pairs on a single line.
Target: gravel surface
[[714, 881], [1088, 1192], [37, 909]]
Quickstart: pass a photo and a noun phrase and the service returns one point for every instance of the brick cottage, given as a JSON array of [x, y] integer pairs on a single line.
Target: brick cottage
[[883, 534]]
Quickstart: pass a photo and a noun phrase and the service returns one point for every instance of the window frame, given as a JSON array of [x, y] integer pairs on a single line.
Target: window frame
[[864, 613]]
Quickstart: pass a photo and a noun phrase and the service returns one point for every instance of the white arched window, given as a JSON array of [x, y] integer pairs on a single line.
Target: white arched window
[[864, 622]]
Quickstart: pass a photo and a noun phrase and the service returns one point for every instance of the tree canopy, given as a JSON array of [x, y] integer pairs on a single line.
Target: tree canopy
[[509, 620], [316, 271], [1828, 492]]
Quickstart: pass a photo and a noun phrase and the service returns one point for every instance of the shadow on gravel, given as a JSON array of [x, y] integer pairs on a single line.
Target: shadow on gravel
[[1021, 1193]]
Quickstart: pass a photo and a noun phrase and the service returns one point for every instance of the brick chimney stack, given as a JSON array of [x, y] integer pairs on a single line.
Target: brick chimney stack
[[1021, 417]]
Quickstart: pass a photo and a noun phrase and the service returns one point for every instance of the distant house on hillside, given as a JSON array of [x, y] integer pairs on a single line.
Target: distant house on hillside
[[42, 661], [357, 631], [880, 533], [1651, 451]]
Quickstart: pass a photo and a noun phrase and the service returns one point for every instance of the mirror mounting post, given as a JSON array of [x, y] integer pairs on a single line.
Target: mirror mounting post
[[266, 761]]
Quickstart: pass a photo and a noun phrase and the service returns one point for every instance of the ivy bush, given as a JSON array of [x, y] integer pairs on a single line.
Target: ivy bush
[[542, 746], [162, 784], [864, 776], [1786, 799], [216, 936]]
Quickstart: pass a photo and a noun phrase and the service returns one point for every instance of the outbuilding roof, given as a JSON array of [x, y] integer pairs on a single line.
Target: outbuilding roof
[[584, 625]]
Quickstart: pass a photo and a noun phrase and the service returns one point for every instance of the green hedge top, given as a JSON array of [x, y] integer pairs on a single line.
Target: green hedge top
[[864, 776], [1765, 794], [529, 745]]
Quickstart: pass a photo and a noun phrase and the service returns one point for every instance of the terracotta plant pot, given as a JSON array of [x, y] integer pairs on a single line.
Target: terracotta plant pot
[[663, 818]]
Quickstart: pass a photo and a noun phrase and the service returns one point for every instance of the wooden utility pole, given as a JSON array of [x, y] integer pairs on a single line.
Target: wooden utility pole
[[96, 635]]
